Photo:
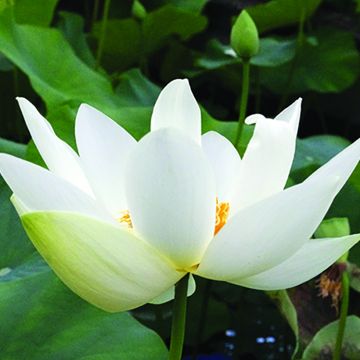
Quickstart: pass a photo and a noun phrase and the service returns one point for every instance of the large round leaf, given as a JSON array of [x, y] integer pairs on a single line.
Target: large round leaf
[[328, 62], [323, 343], [40, 319]]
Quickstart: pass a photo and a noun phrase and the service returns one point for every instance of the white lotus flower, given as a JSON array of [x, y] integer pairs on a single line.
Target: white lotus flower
[[123, 221]]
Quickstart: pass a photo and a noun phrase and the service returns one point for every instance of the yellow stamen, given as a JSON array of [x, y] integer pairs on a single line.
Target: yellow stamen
[[125, 218], [222, 213]]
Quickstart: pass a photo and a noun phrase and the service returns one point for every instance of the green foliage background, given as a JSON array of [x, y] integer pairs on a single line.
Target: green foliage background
[[59, 55]]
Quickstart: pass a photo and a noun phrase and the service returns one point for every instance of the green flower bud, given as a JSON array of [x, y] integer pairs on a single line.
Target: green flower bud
[[138, 10], [244, 36]]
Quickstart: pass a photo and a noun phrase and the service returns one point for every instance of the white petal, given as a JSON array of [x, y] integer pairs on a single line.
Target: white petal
[[170, 190], [313, 258], [267, 160], [19, 206], [107, 266], [176, 107], [225, 161], [268, 232], [104, 147], [38, 189], [341, 165], [169, 294], [59, 157], [291, 115]]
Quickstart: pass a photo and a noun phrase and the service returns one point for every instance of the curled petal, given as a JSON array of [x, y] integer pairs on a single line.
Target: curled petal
[[267, 161]]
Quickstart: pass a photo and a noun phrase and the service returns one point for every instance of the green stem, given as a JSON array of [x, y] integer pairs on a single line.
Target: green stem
[[18, 119], [257, 90], [102, 33], [244, 98], [203, 315], [95, 13], [343, 315], [178, 320], [299, 44]]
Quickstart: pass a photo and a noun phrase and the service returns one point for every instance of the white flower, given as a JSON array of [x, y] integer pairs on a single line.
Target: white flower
[[123, 221]]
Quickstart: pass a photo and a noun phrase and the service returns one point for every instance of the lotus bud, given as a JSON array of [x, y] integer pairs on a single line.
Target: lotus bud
[[244, 36]]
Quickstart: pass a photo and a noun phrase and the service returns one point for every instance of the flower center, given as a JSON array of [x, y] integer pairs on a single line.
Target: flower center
[[222, 213], [125, 218]]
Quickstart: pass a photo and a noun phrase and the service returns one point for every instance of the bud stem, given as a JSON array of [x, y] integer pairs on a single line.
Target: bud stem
[[244, 98], [343, 315], [104, 20], [179, 317]]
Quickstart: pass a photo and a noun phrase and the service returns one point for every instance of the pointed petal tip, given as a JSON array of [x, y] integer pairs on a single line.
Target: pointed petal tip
[[85, 106], [177, 107], [23, 103], [84, 109], [20, 99], [184, 81]]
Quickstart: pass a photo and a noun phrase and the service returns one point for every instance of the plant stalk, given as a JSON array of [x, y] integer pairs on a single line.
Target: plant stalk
[[345, 284], [104, 20], [244, 98], [178, 320], [94, 13]]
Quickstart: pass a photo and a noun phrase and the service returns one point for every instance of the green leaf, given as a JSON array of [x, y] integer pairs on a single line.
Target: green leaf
[[14, 245], [123, 43], [329, 64], [272, 52], [72, 26], [56, 81], [354, 274], [5, 64], [65, 84], [169, 20], [38, 12], [323, 343], [315, 151], [278, 13], [41, 318], [136, 90], [190, 5], [357, 5], [335, 227], [129, 41], [12, 148]]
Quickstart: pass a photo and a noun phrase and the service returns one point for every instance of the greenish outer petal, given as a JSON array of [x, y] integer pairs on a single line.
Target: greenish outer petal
[[169, 294], [104, 264]]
